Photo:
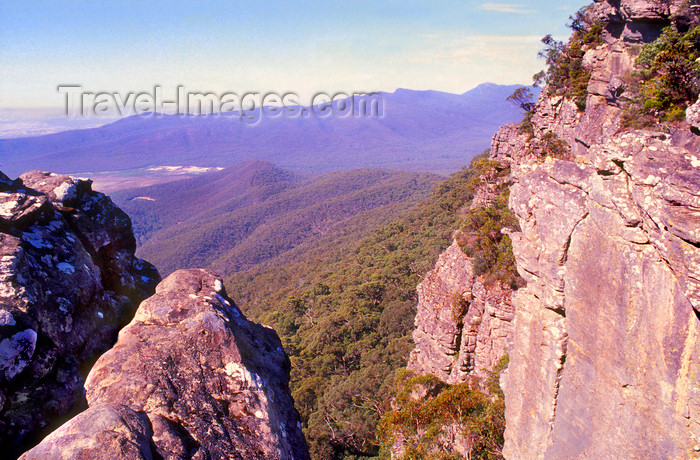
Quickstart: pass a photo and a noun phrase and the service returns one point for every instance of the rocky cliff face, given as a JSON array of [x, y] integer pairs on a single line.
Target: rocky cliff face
[[68, 281], [462, 327], [190, 377], [605, 352], [627, 25], [605, 355]]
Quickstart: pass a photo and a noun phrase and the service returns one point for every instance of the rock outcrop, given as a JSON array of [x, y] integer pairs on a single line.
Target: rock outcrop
[[68, 281], [692, 116], [605, 357], [462, 327], [189, 377], [634, 21], [605, 354], [627, 23]]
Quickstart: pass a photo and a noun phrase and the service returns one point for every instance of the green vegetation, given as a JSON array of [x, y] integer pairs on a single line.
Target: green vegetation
[[523, 97], [551, 145], [565, 74], [427, 412], [345, 311], [487, 245], [261, 214], [480, 235], [667, 79]]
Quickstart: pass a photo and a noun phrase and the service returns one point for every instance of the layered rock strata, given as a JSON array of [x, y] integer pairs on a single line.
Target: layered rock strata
[[462, 328], [605, 355]]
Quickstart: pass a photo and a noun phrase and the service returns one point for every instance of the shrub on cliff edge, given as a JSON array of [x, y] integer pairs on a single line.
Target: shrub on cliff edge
[[667, 79], [433, 420], [565, 74]]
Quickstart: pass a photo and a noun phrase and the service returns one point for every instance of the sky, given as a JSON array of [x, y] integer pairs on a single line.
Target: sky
[[241, 46]]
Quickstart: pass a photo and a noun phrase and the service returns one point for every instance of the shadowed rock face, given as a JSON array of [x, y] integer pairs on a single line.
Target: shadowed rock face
[[634, 21], [190, 377], [68, 281]]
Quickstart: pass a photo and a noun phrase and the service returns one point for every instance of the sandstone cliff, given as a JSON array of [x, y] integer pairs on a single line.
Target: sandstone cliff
[[603, 340], [68, 281], [605, 355], [605, 352], [464, 312], [462, 326], [448, 403], [190, 377]]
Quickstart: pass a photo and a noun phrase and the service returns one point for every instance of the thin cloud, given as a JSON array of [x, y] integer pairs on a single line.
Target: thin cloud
[[455, 61], [475, 48], [513, 8]]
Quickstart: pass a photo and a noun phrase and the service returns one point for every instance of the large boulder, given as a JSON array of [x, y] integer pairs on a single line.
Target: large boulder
[[190, 377], [63, 297], [692, 116], [635, 21]]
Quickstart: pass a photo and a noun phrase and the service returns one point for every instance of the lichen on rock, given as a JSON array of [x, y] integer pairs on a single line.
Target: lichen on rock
[[189, 377], [62, 301]]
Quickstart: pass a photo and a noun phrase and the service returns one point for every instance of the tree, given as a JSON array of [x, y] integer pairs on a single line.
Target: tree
[[578, 22], [552, 51], [523, 98]]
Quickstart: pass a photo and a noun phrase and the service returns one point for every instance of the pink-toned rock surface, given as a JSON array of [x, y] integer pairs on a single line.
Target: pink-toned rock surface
[[605, 357], [462, 327], [189, 377]]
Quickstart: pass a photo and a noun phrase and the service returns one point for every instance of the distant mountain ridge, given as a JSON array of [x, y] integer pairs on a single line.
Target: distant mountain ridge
[[419, 131]]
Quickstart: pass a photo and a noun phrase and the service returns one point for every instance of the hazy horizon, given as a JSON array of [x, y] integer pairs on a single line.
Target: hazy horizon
[[273, 46]]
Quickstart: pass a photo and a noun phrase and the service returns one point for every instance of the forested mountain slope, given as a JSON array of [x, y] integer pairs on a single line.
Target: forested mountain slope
[[345, 315], [256, 212]]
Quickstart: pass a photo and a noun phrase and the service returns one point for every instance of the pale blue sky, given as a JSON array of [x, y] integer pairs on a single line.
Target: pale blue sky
[[239, 45]]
